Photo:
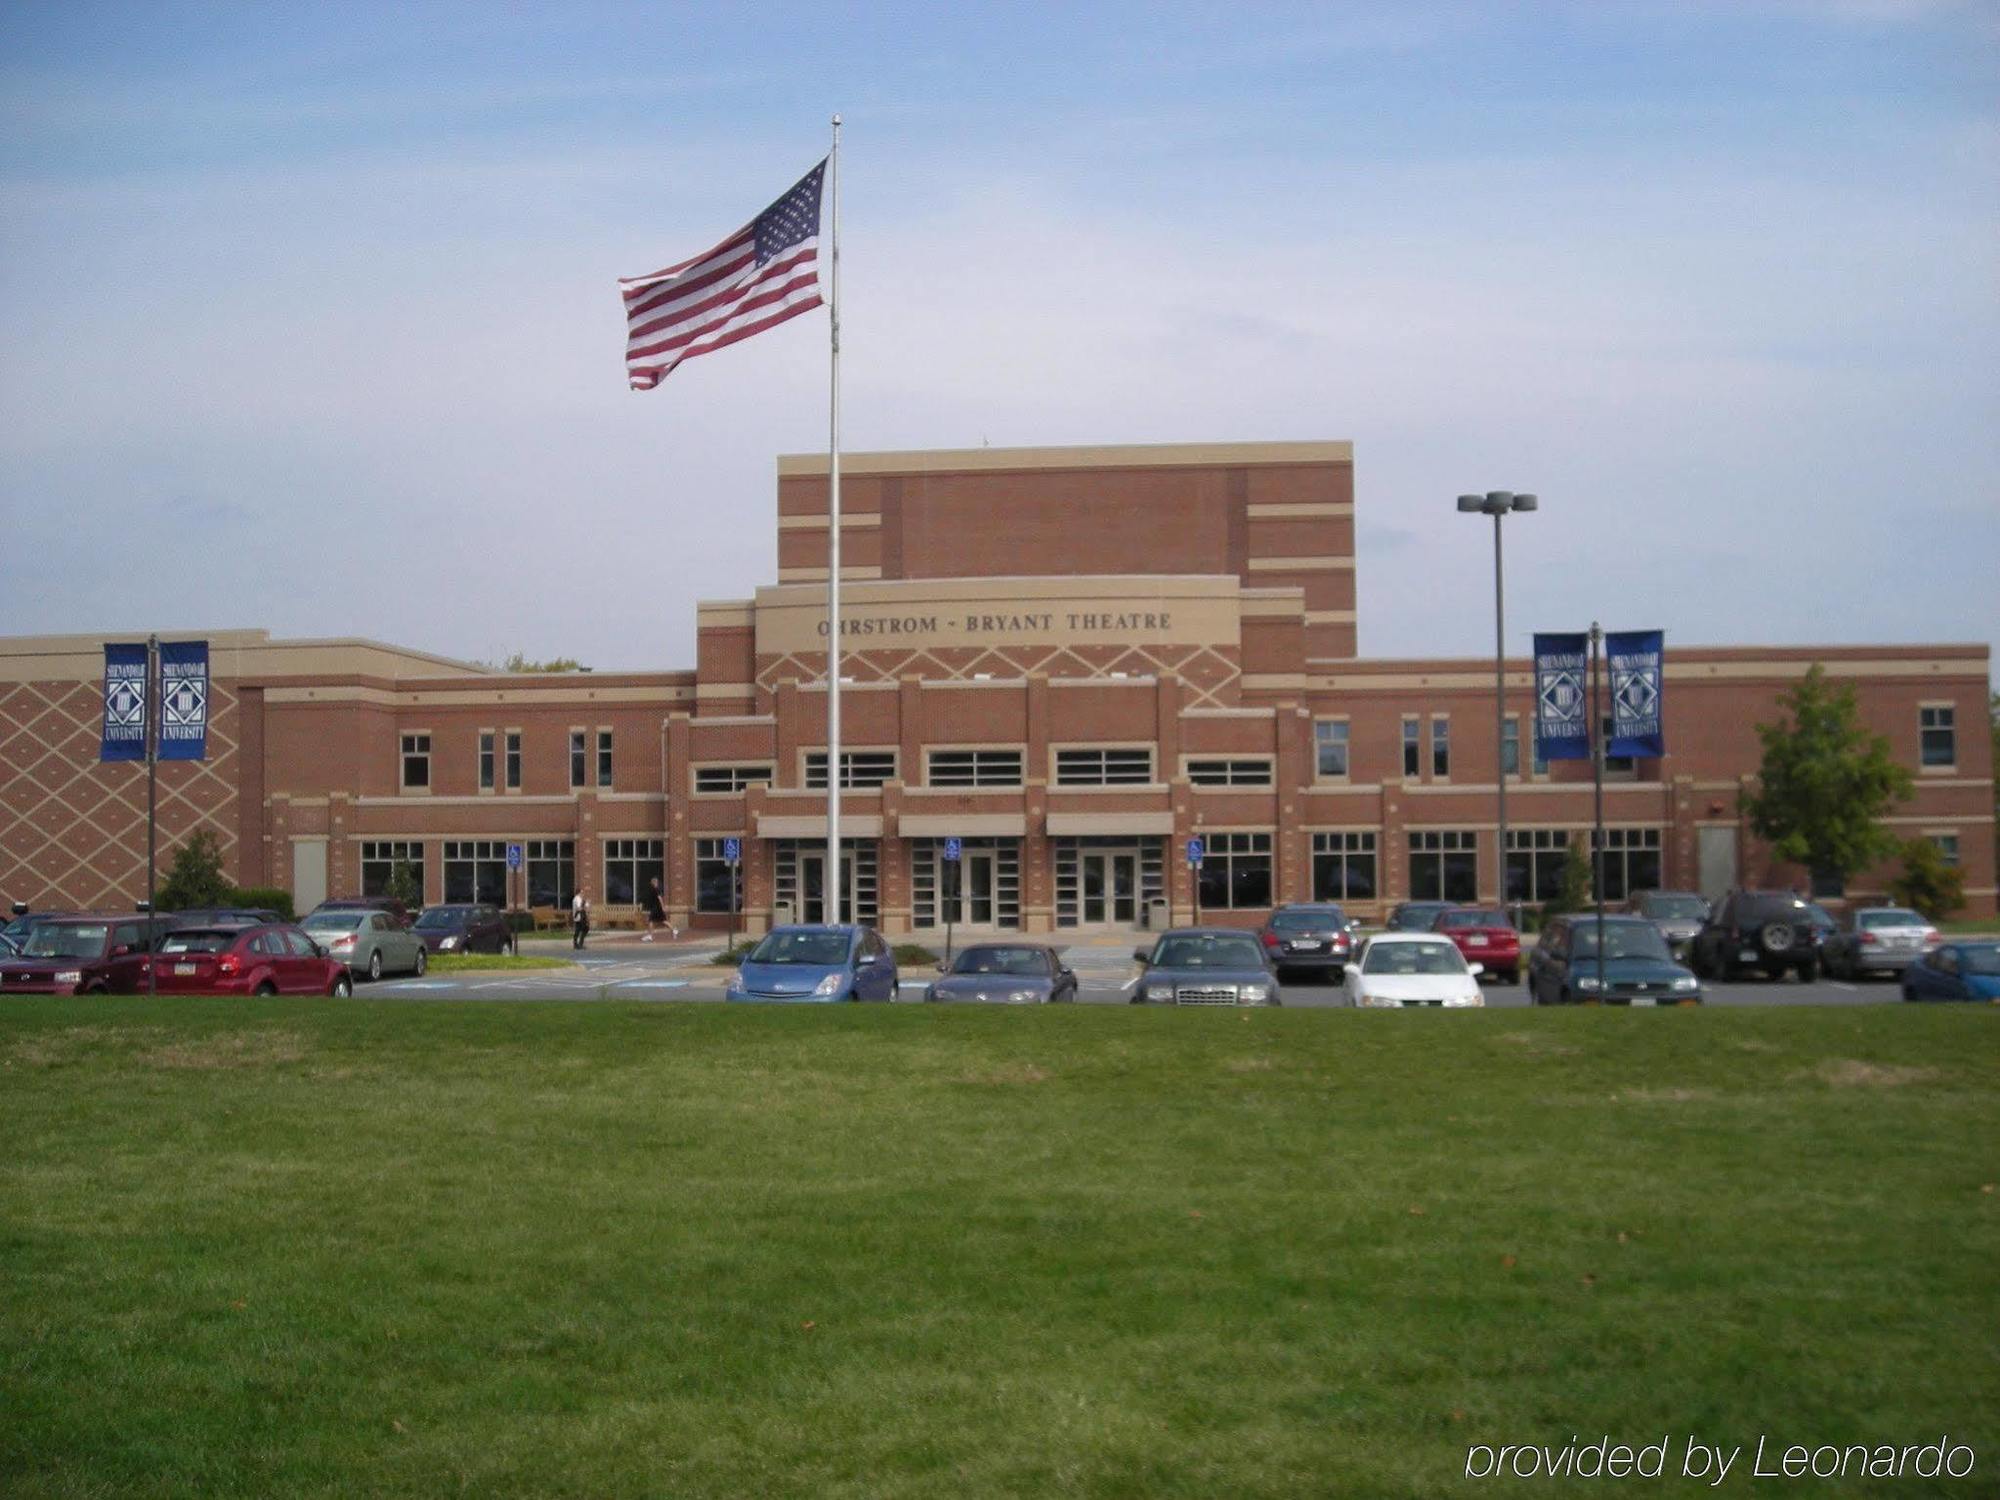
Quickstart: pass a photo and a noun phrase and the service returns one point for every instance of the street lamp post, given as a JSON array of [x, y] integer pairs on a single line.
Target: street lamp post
[[1496, 503]]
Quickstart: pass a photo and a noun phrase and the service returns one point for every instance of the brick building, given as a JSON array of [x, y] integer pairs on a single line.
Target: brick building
[[1070, 659]]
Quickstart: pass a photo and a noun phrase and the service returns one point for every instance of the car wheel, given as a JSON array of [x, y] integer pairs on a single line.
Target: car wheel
[[265, 989], [375, 964], [423, 961], [1909, 993], [342, 987]]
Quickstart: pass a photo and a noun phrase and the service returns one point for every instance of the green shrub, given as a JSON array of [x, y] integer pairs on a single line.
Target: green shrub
[[264, 898], [195, 878], [1927, 883], [915, 956], [732, 958]]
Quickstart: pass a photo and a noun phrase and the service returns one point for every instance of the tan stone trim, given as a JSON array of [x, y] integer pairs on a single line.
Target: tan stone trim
[[1274, 682], [1334, 787], [719, 721], [567, 697], [1466, 675], [861, 572], [852, 826], [1330, 617], [1113, 456], [1138, 824], [544, 799], [975, 681], [1276, 509], [1266, 712], [850, 520], [847, 685], [962, 825], [1318, 564], [711, 690], [1289, 605], [722, 614], [1132, 680]]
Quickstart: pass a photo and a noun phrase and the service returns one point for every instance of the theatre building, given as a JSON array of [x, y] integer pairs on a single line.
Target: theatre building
[[1070, 660]]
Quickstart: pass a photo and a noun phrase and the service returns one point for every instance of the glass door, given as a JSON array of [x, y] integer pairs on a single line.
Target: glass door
[[812, 887], [1091, 886], [1124, 887]]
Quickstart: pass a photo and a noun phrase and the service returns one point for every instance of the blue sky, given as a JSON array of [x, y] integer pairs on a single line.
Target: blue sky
[[308, 317]]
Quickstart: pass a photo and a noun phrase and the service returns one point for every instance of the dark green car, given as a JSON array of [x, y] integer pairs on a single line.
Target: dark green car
[[1637, 968]]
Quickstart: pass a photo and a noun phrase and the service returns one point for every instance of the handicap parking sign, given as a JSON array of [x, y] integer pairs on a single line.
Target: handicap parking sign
[[953, 848], [1195, 851], [513, 856], [732, 851]]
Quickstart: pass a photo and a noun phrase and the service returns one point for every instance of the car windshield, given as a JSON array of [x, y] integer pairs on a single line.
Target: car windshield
[[64, 940], [1889, 917], [196, 942], [1984, 959], [1413, 958], [1820, 916], [1314, 919], [1474, 919], [1001, 961], [444, 916], [822, 948], [1621, 940], [1415, 918], [1208, 950], [1664, 908], [334, 921]]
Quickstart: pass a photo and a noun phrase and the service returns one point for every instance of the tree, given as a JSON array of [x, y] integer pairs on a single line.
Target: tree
[[196, 878], [1927, 883], [1825, 782], [519, 663], [1573, 894], [403, 885]]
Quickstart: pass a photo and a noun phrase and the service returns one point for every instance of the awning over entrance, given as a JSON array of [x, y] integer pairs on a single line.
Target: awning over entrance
[[1064, 824], [962, 825], [809, 826]]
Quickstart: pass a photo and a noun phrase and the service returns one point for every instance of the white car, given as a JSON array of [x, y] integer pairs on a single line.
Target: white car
[[1412, 968]]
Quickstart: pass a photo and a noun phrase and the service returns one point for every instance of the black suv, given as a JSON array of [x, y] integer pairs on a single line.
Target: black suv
[[1771, 931]]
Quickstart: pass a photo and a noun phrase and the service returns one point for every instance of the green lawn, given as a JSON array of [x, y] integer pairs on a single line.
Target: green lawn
[[371, 1248]]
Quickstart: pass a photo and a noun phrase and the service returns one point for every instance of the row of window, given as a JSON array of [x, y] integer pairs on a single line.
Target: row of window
[[500, 759]]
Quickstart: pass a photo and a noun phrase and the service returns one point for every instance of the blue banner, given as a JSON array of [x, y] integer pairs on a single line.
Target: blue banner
[[183, 700], [1562, 699], [124, 701], [1633, 658]]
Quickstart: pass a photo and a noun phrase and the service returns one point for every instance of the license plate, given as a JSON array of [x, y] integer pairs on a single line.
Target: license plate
[[1643, 1000], [1748, 955], [1299, 947], [1477, 940], [183, 968]]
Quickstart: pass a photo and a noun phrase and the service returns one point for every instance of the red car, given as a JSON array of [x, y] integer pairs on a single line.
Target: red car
[[1485, 936], [90, 955], [274, 959]]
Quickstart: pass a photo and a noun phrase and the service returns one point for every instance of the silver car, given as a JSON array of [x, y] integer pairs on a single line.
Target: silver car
[[1876, 940], [1205, 966], [368, 942], [1678, 915]]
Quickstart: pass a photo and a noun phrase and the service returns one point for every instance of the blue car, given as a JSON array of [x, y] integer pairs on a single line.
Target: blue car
[[1955, 971], [816, 965]]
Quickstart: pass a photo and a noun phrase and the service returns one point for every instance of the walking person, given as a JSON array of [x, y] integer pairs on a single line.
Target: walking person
[[656, 913], [579, 920]]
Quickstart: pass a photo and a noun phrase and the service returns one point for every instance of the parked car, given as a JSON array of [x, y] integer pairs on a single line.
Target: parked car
[[230, 960], [1678, 915], [1638, 967], [465, 929], [1399, 969], [1770, 931], [21, 922], [389, 904], [222, 916], [1314, 938], [1485, 936], [807, 964], [1955, 971], [1823, 927], [1416, 916], [1877, 940], [1205, 966], [368, 940], [1006, 974], [8, 947], [90, 955]]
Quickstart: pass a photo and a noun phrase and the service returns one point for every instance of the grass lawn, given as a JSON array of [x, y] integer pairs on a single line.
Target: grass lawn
[[371, 1248], [465, 963]]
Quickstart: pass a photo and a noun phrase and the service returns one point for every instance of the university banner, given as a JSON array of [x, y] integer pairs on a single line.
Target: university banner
[[124, 701], [1562, 706], [1633, 658], [183, 700]]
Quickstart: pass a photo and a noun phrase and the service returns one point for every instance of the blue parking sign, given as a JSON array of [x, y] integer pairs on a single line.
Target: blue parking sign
[[953, 848], [513, 856], [1195, 850], [732, 851]]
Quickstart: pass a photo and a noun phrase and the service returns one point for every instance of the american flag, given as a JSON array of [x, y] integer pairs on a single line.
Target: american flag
[[761, 275]]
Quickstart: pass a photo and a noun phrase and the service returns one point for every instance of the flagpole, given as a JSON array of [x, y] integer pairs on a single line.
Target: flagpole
[[832, 886], [152, 802]]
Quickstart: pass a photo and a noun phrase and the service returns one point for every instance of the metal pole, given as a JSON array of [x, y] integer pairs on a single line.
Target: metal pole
[[830, 885], [950, 909], [1597, 783], [152, 800], [1500, 700]]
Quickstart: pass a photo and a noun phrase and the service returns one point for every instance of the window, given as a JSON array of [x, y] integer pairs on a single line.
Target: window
[[513, 760], [416, 762], [1614, 765], [1510, 746], [1631, 861], [1440, 747], [630, 868], [485, 760], [1939, 733], [719, 779], [578, 758], [1535, 862], [1444, 865], [1947, 846], [1236, 871], [983, 889], [974, 768], [1330, 745], [1229, 772], [1133, 767], [551, 865], [379, 859], [475, 870], [1413, 763], [857, 768], [1344, 866], [604, 757], [718, 885]]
